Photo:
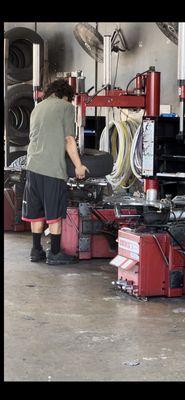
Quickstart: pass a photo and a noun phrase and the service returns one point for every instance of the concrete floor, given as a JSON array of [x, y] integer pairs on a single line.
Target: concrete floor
[[68, 323]]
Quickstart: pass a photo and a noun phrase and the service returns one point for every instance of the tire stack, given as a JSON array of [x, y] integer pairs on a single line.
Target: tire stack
[[19, 90], [21, 103]]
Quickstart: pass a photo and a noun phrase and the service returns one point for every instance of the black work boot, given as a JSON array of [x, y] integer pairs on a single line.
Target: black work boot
[[60, 258], [37, 255]]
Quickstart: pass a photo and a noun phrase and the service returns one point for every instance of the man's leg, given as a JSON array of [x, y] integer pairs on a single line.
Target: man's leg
[[55, 203], [55, 231], [56, 256], [37, 252], [33, 212], [37, 229]]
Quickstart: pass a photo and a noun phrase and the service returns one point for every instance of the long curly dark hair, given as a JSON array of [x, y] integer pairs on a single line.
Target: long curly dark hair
[[59, 87]]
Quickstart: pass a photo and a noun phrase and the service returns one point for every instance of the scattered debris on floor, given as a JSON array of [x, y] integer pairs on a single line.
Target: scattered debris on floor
[[131, 363]]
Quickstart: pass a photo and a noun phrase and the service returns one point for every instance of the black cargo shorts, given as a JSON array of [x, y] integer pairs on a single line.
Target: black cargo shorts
[[44, 198]]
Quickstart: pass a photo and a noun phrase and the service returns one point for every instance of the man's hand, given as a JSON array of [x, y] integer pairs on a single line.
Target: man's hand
[[80, 171], [71, 149]]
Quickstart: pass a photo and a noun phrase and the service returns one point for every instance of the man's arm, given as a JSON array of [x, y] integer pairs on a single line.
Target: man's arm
[[71, 149]]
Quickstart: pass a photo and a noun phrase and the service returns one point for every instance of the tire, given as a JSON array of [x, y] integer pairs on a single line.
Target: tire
[[151, 216], [20, 60], [170, 29], [99, 163], [20, 106], [15, 157]]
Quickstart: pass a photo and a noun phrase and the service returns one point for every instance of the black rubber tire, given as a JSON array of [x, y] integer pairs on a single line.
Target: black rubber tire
[[20, 60], [170, 29], [20, 106], [151, 216], [99, 163], [14, 156]]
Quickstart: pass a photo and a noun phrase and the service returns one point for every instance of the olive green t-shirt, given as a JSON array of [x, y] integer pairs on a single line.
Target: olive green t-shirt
[[50, 122]]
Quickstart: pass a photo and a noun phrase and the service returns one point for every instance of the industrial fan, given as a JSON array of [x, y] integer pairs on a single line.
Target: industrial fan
[[170, 29], [92, 41]]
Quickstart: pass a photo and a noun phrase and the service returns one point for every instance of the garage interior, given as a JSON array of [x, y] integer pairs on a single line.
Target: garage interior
[[119, 313]]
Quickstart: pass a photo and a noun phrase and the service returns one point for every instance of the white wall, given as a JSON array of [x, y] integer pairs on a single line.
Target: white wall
[[148, 46]]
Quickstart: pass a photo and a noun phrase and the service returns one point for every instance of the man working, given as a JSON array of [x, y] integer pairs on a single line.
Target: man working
[[45, 194]]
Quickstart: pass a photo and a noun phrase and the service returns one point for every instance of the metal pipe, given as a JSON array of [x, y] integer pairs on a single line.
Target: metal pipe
[[76, 117], [107, 60], [181, 114], [36, 70], [46, 65], [151, 195], [152, 109], [107, 147], [119, 215], [36, 64], [151, 187], [181, 52], [6, 138], [181, 76], [138, 84], [96, 69], [96, 88], [128, 215], [81, 139], [107, 80], [81, 112]]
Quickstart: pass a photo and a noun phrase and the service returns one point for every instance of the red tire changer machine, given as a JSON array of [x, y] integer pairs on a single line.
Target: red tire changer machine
[[151, 247], [151, 258], [88, 226]]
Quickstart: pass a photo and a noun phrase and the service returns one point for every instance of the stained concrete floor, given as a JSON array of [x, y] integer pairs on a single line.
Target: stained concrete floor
[[68, 323]]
